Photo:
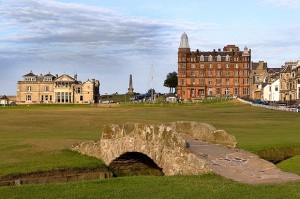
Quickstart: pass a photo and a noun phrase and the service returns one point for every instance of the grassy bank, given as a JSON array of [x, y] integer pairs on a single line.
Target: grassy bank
[[206, 186]]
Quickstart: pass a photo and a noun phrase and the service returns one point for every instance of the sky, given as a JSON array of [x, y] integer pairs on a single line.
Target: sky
[[109, 40]]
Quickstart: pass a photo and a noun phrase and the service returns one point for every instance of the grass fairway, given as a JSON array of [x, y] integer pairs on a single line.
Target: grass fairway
[[34, 138], [291, 165], [206, 186]]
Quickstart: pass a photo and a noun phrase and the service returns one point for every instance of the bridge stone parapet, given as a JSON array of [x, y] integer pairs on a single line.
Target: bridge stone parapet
[[164, 143]]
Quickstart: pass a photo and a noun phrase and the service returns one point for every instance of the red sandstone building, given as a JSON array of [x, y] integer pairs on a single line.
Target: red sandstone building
[[214, 73]]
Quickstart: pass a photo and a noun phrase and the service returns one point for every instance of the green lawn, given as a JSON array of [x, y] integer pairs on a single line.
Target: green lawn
[[291, 165], [206, 186], [34, 138]]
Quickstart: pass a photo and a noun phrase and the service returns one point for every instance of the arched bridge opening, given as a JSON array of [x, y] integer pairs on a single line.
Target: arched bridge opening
[[135, 164]]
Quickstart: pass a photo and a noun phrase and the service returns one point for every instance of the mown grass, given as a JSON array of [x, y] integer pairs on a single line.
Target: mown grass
[[206, 186], [291, 165], [32, 137], [47, 161]]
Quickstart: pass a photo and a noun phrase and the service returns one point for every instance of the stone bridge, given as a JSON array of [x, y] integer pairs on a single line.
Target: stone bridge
[[185, 148]]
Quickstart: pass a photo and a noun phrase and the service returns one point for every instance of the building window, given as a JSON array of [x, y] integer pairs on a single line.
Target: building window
[[193, 81], [210, 66], [210, 81], [236, 91], [219, 91], [201, 58], [256, 78], [46, 88], [236, 65], [219, 66], [81, 98], [227, 65], [46, 98], [28, 88], [182, 82], [245, 81], [202, 81], [202, 73], [201, 65], [209, 73], [28, 98], [227, 58], [78, 90], [210, 58], [227, 81], [236, 81], [192, 73], [218, 58], [276, 87], [236, 73], [219, 81], [219, 73], [227, 91], [210, 91], [227, 73], [245, 91], [193, 66], [201, 92]]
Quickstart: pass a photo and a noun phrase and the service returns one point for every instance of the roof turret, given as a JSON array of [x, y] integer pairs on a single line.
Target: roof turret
[[184, 42]]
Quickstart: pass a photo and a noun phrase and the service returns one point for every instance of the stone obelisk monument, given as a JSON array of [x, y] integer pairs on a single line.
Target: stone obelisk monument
[[130, 89]]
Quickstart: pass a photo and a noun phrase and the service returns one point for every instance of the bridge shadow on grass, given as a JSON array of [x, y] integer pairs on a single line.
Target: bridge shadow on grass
[[134, 164]]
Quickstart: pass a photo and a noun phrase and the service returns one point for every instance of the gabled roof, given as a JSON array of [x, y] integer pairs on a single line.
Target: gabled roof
[[4, 97], [65, 78], [30, 74], [286, 69], [49, 75], [274, 70]]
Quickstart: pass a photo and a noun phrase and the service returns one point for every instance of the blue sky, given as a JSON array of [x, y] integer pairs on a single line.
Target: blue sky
[[109, 40]]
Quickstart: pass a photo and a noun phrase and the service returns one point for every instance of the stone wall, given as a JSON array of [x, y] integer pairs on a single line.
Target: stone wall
[[165, 144]]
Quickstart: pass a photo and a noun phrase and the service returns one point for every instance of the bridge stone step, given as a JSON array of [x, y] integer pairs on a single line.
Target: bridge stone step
[[239, 165]]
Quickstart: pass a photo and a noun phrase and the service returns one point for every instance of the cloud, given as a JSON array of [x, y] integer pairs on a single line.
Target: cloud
[[43, 35]]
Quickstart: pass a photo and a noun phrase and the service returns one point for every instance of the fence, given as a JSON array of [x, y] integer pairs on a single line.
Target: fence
[[279, 108]]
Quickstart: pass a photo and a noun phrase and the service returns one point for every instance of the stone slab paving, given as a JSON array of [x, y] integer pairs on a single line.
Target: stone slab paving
[[239, 165]]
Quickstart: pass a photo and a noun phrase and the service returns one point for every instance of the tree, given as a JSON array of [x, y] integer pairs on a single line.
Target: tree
[[171, 81], [151, 91]]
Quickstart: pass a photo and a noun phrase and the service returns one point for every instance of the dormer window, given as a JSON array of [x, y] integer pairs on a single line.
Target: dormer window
[[218, 58], [227, 58], [210, 58], [201, 58]]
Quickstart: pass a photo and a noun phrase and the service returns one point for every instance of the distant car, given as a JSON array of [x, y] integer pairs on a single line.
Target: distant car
[[265, 103]]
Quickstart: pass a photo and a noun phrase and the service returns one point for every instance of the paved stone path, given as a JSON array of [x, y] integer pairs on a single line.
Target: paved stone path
[[239, 165]]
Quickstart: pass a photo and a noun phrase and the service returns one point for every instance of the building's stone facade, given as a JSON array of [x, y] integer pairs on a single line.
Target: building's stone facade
[[290, 81], [212, 73], [259, 72], [36, 89]]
